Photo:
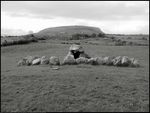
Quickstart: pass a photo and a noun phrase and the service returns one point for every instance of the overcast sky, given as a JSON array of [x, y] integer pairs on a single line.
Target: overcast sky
[[124, 17]]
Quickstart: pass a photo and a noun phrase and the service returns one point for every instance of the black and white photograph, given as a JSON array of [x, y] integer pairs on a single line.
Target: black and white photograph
[[74, 56]]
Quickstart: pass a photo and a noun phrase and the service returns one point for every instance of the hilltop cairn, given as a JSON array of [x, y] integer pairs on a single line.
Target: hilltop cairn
[[77, 55]]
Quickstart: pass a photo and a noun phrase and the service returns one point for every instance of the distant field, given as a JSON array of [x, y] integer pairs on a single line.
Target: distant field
[[94, 39], [137, 40], [17, 40], [74, 87]]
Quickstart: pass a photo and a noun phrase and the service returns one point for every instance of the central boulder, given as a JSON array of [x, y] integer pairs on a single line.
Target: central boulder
[[75, 52]]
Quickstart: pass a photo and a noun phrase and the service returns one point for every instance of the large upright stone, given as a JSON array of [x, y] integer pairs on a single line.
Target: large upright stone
[[93, 61], [81, 60], [134, 62], [29, 59], [44, 60], [108, 60], [100, 60], [21, 62], [125, 61], [117, 61], [76, 47], [69, 59], [36, 61], [54, 60]]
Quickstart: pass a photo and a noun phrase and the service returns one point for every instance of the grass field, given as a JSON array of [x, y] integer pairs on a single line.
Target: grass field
[[74, 87]]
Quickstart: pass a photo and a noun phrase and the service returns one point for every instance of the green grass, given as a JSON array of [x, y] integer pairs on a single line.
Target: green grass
[[74, 87]]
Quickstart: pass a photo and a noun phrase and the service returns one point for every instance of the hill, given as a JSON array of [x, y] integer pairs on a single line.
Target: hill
[[67, 32]]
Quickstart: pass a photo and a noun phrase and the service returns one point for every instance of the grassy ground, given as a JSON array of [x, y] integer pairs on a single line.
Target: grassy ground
[[77, 87]]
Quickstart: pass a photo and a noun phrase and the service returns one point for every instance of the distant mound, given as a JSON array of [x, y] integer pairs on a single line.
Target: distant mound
[[68, 32]]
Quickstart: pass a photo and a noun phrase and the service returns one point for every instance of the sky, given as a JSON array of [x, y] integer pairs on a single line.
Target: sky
[[113, 17]]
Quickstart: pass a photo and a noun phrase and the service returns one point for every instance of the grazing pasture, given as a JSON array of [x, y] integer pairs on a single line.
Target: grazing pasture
[[74, 88]]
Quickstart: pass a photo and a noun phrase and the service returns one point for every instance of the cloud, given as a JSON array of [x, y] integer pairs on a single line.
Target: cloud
[[78, 9], [13, 32], [110, 16]]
